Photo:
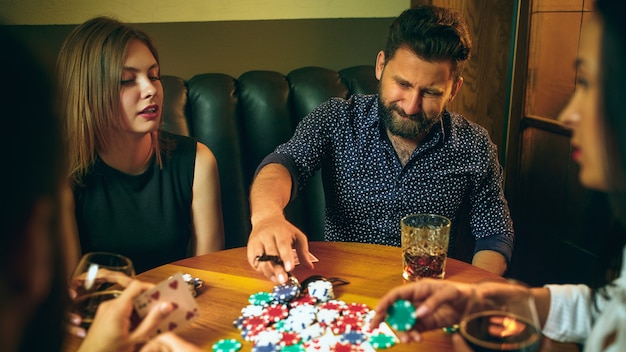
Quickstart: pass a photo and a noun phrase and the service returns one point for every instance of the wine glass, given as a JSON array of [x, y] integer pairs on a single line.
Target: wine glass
[[501, 317], [99, 276]]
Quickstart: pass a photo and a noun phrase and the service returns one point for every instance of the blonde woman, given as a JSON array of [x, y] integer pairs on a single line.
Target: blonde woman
[[136, 190]]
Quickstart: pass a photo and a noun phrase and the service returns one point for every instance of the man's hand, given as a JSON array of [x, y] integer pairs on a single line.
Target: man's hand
[[491, 261], [275, 236]]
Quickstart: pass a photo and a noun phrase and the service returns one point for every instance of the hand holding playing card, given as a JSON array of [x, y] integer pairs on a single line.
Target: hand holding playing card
[[112, 325], [175, 291]]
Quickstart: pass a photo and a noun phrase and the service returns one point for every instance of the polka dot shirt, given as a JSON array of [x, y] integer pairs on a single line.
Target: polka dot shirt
[[367, 190]]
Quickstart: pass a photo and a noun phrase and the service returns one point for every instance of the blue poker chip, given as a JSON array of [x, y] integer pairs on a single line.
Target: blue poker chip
[[284, 293], [238, 323], [266, 348], [353, 337]]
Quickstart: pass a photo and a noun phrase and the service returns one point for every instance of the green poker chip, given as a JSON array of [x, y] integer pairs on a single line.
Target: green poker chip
[[227, 345], [381, 341], [261, 298], [401, 315]]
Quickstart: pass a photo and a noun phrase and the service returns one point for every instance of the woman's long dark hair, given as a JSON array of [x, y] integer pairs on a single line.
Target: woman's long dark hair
[[613, 76], [34, 170]]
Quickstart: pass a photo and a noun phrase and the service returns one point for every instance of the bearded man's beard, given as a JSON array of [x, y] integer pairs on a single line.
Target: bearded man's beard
[[408, 127]]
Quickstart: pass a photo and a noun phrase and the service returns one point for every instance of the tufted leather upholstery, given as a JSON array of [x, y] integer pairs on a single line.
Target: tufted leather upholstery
[[242, 120]]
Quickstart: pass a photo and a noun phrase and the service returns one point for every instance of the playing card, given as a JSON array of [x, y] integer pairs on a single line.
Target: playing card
[[297, 260], [174, 289]]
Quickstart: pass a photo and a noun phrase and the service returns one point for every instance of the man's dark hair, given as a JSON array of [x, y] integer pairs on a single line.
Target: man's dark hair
[[432, 33]]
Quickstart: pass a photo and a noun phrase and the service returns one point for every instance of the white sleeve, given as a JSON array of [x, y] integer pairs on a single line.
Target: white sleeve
[[570, 315]]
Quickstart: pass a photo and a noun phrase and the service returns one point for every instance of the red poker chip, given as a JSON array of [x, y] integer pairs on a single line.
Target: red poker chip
[[358, 309], [276, 312], [302, 300], [255, 323], [345, 347], [346, 323], [289, 338], [333, 305]]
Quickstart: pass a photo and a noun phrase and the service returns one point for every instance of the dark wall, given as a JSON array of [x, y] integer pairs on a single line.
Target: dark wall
[[234, 47], [484, 96]]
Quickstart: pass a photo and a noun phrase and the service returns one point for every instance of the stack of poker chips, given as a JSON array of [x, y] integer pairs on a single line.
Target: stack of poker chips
[[290, 320]]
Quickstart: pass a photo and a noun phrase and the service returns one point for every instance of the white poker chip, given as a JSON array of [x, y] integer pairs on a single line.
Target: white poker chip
[[252, 310], [327, 316], [322, 290], [268, 337], [312, 331]]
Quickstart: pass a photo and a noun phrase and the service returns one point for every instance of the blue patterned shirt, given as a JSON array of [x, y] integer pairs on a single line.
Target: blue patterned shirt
[[455, 169]]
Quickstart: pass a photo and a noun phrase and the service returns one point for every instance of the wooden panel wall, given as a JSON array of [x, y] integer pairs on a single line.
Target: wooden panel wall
[[483, 97]]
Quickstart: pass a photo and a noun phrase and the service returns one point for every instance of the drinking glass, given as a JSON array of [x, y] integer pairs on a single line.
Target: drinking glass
[[501, 317], [424, 240], [99, 276]]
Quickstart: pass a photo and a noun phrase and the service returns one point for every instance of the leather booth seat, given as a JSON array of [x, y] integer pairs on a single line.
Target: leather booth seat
[[243, 119]]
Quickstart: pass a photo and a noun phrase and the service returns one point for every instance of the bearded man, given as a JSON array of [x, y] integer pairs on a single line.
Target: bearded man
[[387, 155]]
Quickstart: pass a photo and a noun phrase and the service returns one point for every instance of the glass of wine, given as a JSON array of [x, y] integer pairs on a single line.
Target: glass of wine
[[501, 317], [99, 276]]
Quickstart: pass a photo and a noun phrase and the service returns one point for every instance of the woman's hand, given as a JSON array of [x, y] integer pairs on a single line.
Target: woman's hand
[[439, 304], [112, 328]]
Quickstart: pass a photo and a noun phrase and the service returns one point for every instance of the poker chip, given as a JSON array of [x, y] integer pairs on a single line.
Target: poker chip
[[255, 323], [227, 345], [305, 299], [344, 347], [238, 323], [261, 298], [275, 312], [268, 337], [252, 311], [266, 348], [321, 289], [281, 325], [357, 309], [304, 311], [401, 315], [312, 331], [285, 319], [286, 292], [289, 339], [298, 323], [451, 329], [293, 348], [333, 305], [346, 323], [327, 316], [353, 337], [381, 341]]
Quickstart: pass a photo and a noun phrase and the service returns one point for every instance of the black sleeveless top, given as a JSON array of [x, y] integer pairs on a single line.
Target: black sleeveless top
[[146, 217]]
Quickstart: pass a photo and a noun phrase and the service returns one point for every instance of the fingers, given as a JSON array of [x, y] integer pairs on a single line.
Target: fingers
[[277, 240], [459, 344], [436, 295], [76, 330], [149, 323], [168, 342], [301, 245]]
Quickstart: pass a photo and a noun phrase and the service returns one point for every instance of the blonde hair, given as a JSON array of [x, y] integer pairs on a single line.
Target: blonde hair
[[89, 70]]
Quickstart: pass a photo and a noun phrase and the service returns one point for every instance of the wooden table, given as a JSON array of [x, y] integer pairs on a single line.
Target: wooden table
[[229, 280]]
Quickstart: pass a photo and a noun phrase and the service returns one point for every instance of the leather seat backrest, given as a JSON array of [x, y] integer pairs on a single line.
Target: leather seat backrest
[[242, 120]]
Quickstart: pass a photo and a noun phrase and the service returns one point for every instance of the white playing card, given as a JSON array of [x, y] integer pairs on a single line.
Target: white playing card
[[174, 289]]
